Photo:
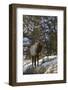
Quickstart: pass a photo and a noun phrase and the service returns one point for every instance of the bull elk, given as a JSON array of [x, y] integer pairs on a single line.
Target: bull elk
[[35, 50]]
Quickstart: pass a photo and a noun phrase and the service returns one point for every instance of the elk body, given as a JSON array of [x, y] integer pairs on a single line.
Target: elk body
[[35, 50]]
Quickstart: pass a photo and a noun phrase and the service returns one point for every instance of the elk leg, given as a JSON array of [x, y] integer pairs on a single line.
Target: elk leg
[[37, 60], [32, 60]]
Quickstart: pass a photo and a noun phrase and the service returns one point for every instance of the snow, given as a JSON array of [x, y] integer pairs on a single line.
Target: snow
[[46, 65]]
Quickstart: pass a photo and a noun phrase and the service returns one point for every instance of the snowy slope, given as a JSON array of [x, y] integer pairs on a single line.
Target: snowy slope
[[46, 65]]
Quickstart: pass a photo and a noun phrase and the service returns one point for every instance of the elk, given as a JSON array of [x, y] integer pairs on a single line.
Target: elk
[[35, 50]]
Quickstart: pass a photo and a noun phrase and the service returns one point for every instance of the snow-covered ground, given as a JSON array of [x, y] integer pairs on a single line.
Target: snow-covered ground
[[46, 65]]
